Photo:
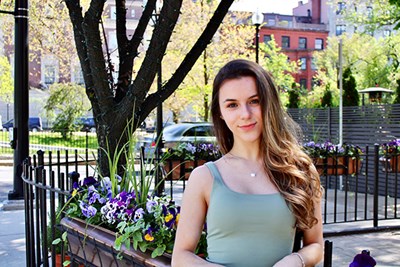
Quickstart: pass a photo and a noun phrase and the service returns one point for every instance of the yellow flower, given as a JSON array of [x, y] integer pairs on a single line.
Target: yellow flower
[[74, 192], [148, 237], [169, 217]]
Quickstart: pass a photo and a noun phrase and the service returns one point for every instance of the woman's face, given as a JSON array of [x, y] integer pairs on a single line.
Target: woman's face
[[240, 108]]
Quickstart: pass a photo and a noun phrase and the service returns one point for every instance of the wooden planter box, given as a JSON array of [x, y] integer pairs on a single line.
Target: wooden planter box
[[180, 170], [93, 245], [391, 164], [337, 166]]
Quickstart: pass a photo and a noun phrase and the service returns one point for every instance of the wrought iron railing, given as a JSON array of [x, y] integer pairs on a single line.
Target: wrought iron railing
[[369, 194]]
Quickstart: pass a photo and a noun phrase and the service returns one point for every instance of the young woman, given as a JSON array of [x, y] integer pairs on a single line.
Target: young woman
[[264, 188]]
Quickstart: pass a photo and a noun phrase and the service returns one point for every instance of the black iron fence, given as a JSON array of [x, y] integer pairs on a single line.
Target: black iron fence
[[363, 190]]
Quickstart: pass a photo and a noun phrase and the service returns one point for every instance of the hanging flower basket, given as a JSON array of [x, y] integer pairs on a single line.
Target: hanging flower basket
[[390, 164], [337, 166], [180, 160], [390, 156], [93, 244]]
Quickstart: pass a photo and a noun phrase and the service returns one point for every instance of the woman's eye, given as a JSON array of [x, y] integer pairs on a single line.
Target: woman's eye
[[255, 101], [232, 105]]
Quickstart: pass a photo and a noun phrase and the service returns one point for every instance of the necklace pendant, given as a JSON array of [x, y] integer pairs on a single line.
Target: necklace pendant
[[252, 174]]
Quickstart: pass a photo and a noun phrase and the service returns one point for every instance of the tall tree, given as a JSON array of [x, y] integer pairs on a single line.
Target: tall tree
[[233, 40], [275, 61], [115, 105]]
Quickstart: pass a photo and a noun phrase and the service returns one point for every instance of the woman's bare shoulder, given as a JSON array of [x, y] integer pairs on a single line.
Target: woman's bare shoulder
[[200, 174]]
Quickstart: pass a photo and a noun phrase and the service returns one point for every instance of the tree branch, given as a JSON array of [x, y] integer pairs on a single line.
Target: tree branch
[[151, 101], [154, 55], [95, 55], [75, 13], [128, 50]]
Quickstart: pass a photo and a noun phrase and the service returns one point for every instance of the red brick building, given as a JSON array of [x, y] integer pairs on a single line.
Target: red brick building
[[299, 37]]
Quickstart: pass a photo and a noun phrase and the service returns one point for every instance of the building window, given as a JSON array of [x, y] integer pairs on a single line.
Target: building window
[[303, 83], [387, 33], [319, 44], [49, 69], [112, 40], [113, 12], [302, 43], [303, 63], [285, 42], [267, 38], [340, 7], [271, 22], [49, 74], [313, 64], [77, 75], [340, 29], [133, 13]]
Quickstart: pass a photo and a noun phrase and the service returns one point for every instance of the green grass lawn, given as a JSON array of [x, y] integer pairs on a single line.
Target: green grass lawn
[[79, 140]]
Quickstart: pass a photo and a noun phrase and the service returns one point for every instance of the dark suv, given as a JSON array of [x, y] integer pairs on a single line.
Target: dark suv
[[35, 124]]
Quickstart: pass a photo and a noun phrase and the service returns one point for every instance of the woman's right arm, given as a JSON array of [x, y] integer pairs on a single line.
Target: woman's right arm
[[192, 218]]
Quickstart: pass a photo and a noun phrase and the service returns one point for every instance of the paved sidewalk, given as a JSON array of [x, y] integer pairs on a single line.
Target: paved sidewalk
[[384, 246]]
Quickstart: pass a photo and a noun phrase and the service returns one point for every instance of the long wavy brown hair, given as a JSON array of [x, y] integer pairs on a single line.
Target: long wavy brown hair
[[290, 169]]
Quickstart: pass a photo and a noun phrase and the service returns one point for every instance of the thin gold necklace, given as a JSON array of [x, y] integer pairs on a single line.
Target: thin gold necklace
[[252, 173]]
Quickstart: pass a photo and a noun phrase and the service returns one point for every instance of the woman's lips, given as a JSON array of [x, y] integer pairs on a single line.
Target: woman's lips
[[247, 126]]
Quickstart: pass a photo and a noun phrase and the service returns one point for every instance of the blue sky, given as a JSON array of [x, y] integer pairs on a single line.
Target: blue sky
[[270, 6]]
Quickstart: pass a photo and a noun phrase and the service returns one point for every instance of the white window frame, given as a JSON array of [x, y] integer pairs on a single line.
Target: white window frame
[[47, 62], [303, 63], [317, 45], [76, 73]]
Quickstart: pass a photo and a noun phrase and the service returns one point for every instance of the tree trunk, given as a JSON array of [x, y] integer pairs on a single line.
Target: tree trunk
[[130, 102]]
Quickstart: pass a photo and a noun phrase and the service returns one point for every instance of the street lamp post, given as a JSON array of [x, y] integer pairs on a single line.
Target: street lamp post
[[257, 19], [159, 119]]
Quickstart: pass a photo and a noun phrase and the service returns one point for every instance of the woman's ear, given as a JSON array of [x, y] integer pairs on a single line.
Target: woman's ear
[[222, 118]]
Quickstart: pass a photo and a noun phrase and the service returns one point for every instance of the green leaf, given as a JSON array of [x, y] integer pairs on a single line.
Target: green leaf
[[56, 241], [66, 263], [64, 236], [142, 246], [158, 251]]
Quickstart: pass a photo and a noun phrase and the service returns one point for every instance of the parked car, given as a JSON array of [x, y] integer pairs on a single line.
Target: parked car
[[152, 128], [176, 133], [35, 124], [87, 124], [188, 132]]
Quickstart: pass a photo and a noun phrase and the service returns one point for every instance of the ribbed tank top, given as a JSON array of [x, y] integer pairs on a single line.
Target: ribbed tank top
[[245, 230]]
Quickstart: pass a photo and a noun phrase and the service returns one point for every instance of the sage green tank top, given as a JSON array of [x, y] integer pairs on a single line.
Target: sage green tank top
[[245, 230]]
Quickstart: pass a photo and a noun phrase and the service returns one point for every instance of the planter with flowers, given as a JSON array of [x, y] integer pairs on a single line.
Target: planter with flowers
[[119, 221], [182, 159], [390, 156], [331, 159]]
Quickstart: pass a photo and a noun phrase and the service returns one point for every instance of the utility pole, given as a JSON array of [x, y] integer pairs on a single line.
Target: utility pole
[[21, 97]]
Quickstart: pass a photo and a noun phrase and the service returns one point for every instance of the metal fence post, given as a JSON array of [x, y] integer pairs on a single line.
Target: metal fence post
[[376, 184]]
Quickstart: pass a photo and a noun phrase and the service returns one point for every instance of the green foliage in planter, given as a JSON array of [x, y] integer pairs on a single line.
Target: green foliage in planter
[[58, 235], [192, 151]]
